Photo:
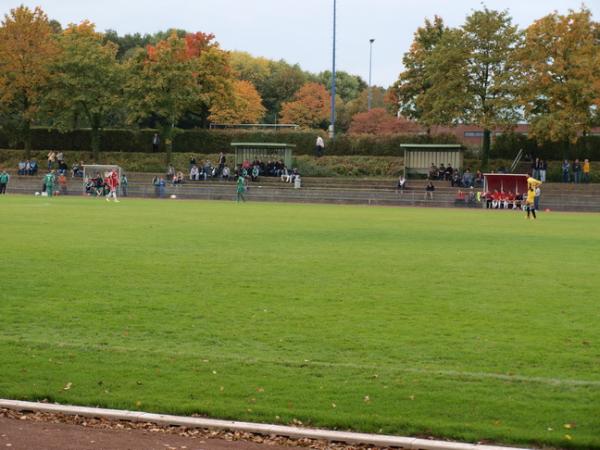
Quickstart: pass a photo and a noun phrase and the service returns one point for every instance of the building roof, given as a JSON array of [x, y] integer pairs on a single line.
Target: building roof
[[262, 144]]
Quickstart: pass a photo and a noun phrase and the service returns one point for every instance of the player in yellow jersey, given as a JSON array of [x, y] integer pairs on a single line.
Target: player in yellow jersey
[[532, 183]]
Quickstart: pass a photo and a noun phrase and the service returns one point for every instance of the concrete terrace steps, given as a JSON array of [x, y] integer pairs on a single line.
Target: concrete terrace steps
[[555, 196]]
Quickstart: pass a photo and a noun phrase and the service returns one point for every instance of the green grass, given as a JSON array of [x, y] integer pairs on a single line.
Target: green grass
[[469, 325]]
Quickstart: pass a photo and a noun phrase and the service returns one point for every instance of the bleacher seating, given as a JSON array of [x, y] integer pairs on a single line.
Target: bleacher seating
[[371, 191]]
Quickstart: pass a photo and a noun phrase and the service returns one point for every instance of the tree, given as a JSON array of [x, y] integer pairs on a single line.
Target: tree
[[281, 86], [162, 81], [560, 62], [470, 76], [86, 81], [310, 107], [413, 82], [379, 121], [26, 48], [347, 86], [491, 41], [246, 108]]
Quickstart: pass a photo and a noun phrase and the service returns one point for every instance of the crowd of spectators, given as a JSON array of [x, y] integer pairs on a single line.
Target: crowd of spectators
[[27, 167], [457, 178], [576, 172], [253, 170]]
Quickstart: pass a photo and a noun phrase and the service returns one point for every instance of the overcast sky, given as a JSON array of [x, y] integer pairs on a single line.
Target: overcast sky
[[299, 31]]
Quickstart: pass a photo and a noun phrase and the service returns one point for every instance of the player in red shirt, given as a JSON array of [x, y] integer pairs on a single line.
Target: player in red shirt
[[112, 180]]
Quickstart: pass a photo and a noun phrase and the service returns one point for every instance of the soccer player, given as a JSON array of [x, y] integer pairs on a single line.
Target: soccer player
[[112, 181], [49, 183], [241, 188], [532, 184]]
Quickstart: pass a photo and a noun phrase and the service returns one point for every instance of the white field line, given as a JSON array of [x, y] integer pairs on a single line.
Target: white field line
[[249, 427], [303, 363]]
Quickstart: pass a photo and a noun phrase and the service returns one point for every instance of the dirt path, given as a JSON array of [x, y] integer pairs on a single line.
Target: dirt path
[[16, 434]]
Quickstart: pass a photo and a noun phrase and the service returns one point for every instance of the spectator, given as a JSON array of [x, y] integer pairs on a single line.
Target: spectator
[[33, 167], [222, 160], [22, 168], [478, 179], [226, 173], [207, 169], [536, 166], [401, 184], [156, 184], [255, 173], [194, 173], [565, 171], [124, 184], [319, 147], [62, 167], [51, 159], [433, 172], [586, 171], [441, 172], [170, 172], [60, 157], [449, 172], [4, 178], [155, 142], [192, 161], [179, 178], [62, 183], [455, 180], [543, 170], [576, 171], [429, 189], [467, 178], [536, 200]]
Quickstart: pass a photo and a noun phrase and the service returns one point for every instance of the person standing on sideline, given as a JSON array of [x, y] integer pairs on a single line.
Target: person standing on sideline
[[543, 170], [240, 189], [586, 170], [222, 161], [124, 184], [62, 184], [565, 171], [51, 159], [576, 171], [319, 147], [4, 177], [536, 200], [49, 183], [155, 142]]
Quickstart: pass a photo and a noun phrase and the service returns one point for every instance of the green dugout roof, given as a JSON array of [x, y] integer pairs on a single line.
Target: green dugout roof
[[261, 145], [440, 146]]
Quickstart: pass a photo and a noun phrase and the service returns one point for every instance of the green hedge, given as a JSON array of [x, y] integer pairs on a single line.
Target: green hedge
[[508, 145], [214, 141]]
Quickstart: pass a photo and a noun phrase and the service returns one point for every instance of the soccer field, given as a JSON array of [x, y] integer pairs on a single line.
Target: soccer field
[[460, 324]]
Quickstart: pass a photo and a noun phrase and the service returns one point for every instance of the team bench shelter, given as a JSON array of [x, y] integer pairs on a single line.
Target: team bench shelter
[[263, 151], [418, 158]]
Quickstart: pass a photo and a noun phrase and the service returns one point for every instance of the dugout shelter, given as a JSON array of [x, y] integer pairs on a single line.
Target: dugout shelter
[[263, 151], [505, 182], [419, 157]]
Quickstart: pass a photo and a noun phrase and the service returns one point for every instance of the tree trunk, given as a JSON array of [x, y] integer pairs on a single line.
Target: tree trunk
[[96, 137], [485, 151], [27, 138]]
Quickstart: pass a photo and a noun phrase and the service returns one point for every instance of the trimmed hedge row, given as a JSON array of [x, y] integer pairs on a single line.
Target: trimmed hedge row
[[214, 141], [508, 145]]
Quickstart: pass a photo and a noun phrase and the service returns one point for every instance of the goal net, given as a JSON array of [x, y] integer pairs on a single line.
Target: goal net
[[91, 173]]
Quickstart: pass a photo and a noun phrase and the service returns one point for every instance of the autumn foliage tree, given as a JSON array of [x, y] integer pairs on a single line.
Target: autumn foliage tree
[[86, 81], [379, 121], [246, 106], [27, 46], [310, 107], [176, 76], [560, 62]]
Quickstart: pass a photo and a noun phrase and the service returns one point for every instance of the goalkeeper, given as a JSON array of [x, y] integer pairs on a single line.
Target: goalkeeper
[[532, 183]]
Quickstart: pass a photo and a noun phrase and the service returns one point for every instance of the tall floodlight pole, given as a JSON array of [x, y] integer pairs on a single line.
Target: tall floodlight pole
[[370, 66], [332, 119]]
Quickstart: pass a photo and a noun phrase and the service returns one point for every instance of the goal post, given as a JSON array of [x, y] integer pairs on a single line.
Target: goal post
[[91, 171]]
